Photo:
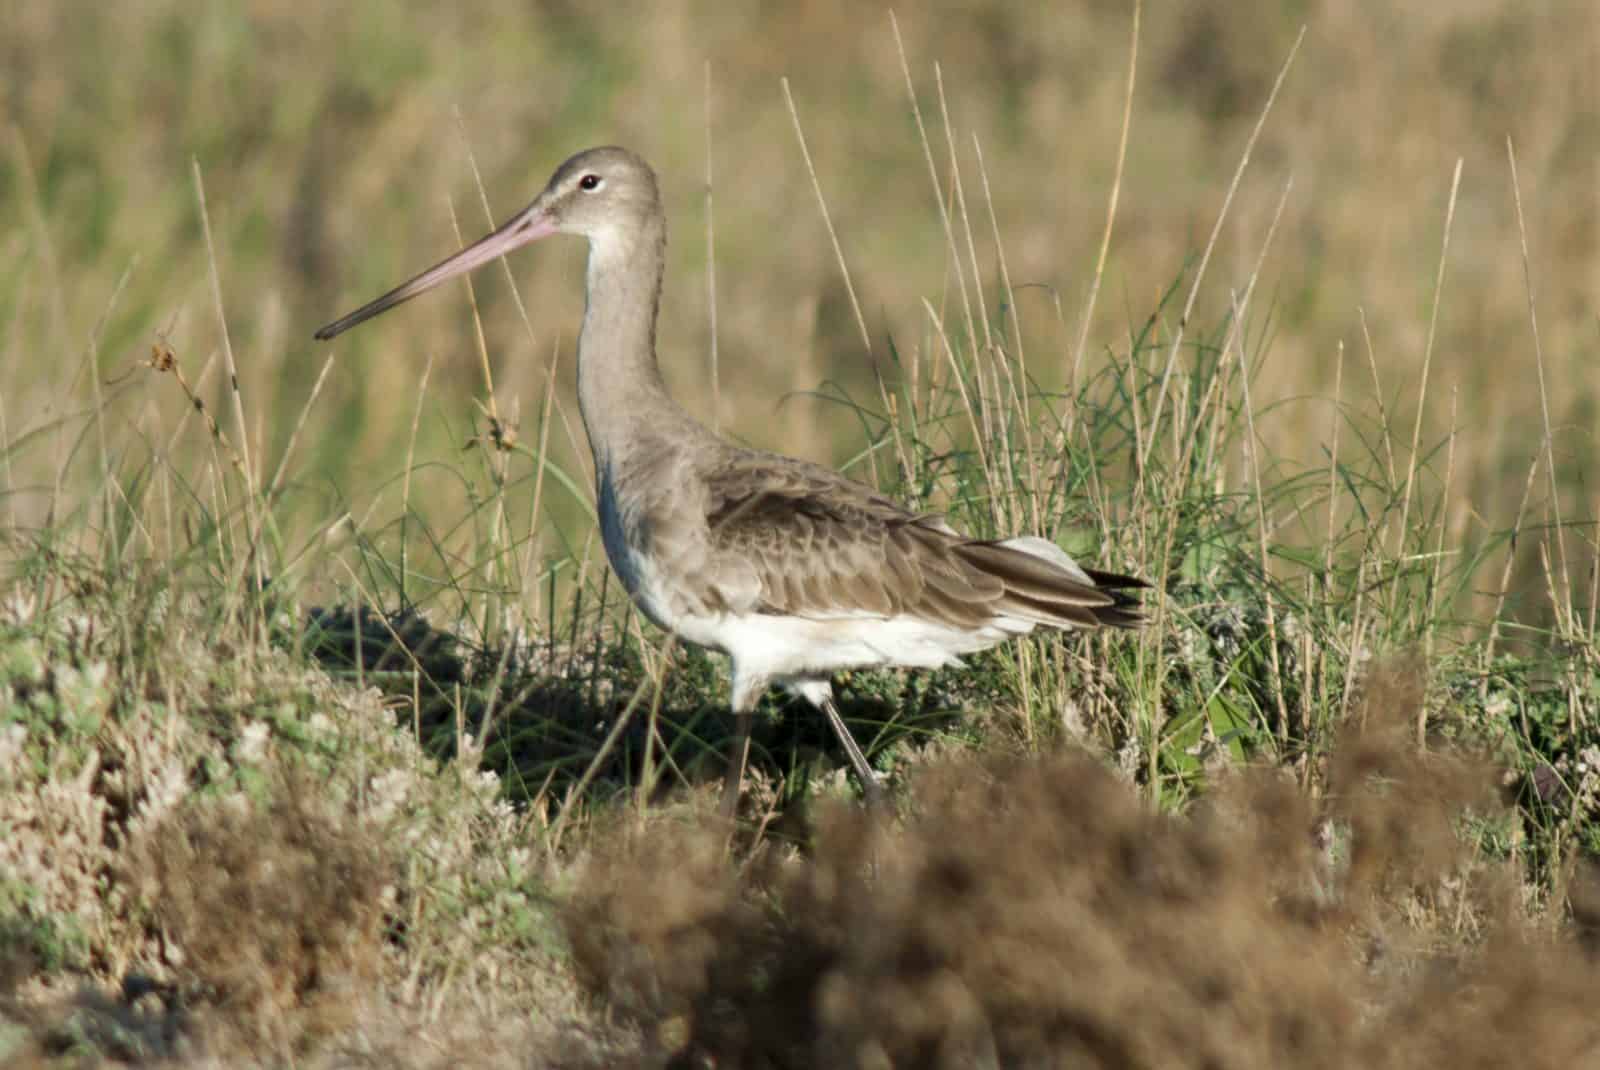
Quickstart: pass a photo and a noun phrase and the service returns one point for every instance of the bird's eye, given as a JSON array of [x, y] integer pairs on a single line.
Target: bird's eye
[[589, 183]]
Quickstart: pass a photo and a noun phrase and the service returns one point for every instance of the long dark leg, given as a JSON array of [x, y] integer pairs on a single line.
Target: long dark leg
[[858, 761], [733, 785]]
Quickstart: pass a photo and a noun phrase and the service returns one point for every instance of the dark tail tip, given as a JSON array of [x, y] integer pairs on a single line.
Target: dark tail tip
[[1115, 581], [1124, 610]]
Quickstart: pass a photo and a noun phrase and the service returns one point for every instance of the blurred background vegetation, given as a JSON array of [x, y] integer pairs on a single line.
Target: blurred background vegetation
[[336, 144]]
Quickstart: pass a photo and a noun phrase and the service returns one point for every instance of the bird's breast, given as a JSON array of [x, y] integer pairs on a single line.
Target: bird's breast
[[652, 513], [625, 531], [620, 543]]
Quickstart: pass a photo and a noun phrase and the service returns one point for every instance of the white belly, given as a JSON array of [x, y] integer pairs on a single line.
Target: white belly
[[785, 648]]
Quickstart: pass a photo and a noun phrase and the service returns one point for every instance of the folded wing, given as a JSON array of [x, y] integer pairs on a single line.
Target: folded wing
[[803, 541]]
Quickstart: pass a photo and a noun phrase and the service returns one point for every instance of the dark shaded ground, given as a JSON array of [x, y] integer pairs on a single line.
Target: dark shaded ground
[[543, 713]]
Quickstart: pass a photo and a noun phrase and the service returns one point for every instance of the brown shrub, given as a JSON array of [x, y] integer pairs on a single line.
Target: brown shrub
[[1524, 1000], [1400, 800], [271, 914], [1035, 913]]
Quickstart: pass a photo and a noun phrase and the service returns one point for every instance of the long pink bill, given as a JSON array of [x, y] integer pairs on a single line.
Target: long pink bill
[[531, 224]]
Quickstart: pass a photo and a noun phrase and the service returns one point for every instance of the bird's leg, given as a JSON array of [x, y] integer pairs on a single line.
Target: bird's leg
[[870, 788], [733, 786]]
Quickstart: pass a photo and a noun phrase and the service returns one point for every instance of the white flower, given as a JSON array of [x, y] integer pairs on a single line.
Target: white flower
[[1129, 760], [1072, 719], [251, 745], [12, 736], [389, 791], [163, 791], [1290, 626], [19, 607]]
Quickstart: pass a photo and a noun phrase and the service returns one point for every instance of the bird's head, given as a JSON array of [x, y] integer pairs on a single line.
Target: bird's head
[[604, 194]]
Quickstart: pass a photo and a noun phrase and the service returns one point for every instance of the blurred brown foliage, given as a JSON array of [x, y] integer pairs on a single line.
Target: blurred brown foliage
[[1032, 913], [278, 910]]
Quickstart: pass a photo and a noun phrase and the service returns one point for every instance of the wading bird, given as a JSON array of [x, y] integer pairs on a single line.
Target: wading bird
[[792, 569]]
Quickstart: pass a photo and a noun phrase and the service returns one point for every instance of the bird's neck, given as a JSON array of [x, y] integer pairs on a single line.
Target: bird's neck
[[621, 395]]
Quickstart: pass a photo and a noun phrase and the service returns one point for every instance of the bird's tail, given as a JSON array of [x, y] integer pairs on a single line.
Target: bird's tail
[[1044, 584]]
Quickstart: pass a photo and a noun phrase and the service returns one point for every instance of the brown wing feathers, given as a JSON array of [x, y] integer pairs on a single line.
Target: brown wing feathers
[[852, 551], [1038, 588]]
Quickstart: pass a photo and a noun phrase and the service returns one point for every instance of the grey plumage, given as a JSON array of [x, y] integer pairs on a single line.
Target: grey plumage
[[792, 569]]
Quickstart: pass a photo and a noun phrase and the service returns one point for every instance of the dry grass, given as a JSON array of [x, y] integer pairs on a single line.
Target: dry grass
[[324, 189]]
